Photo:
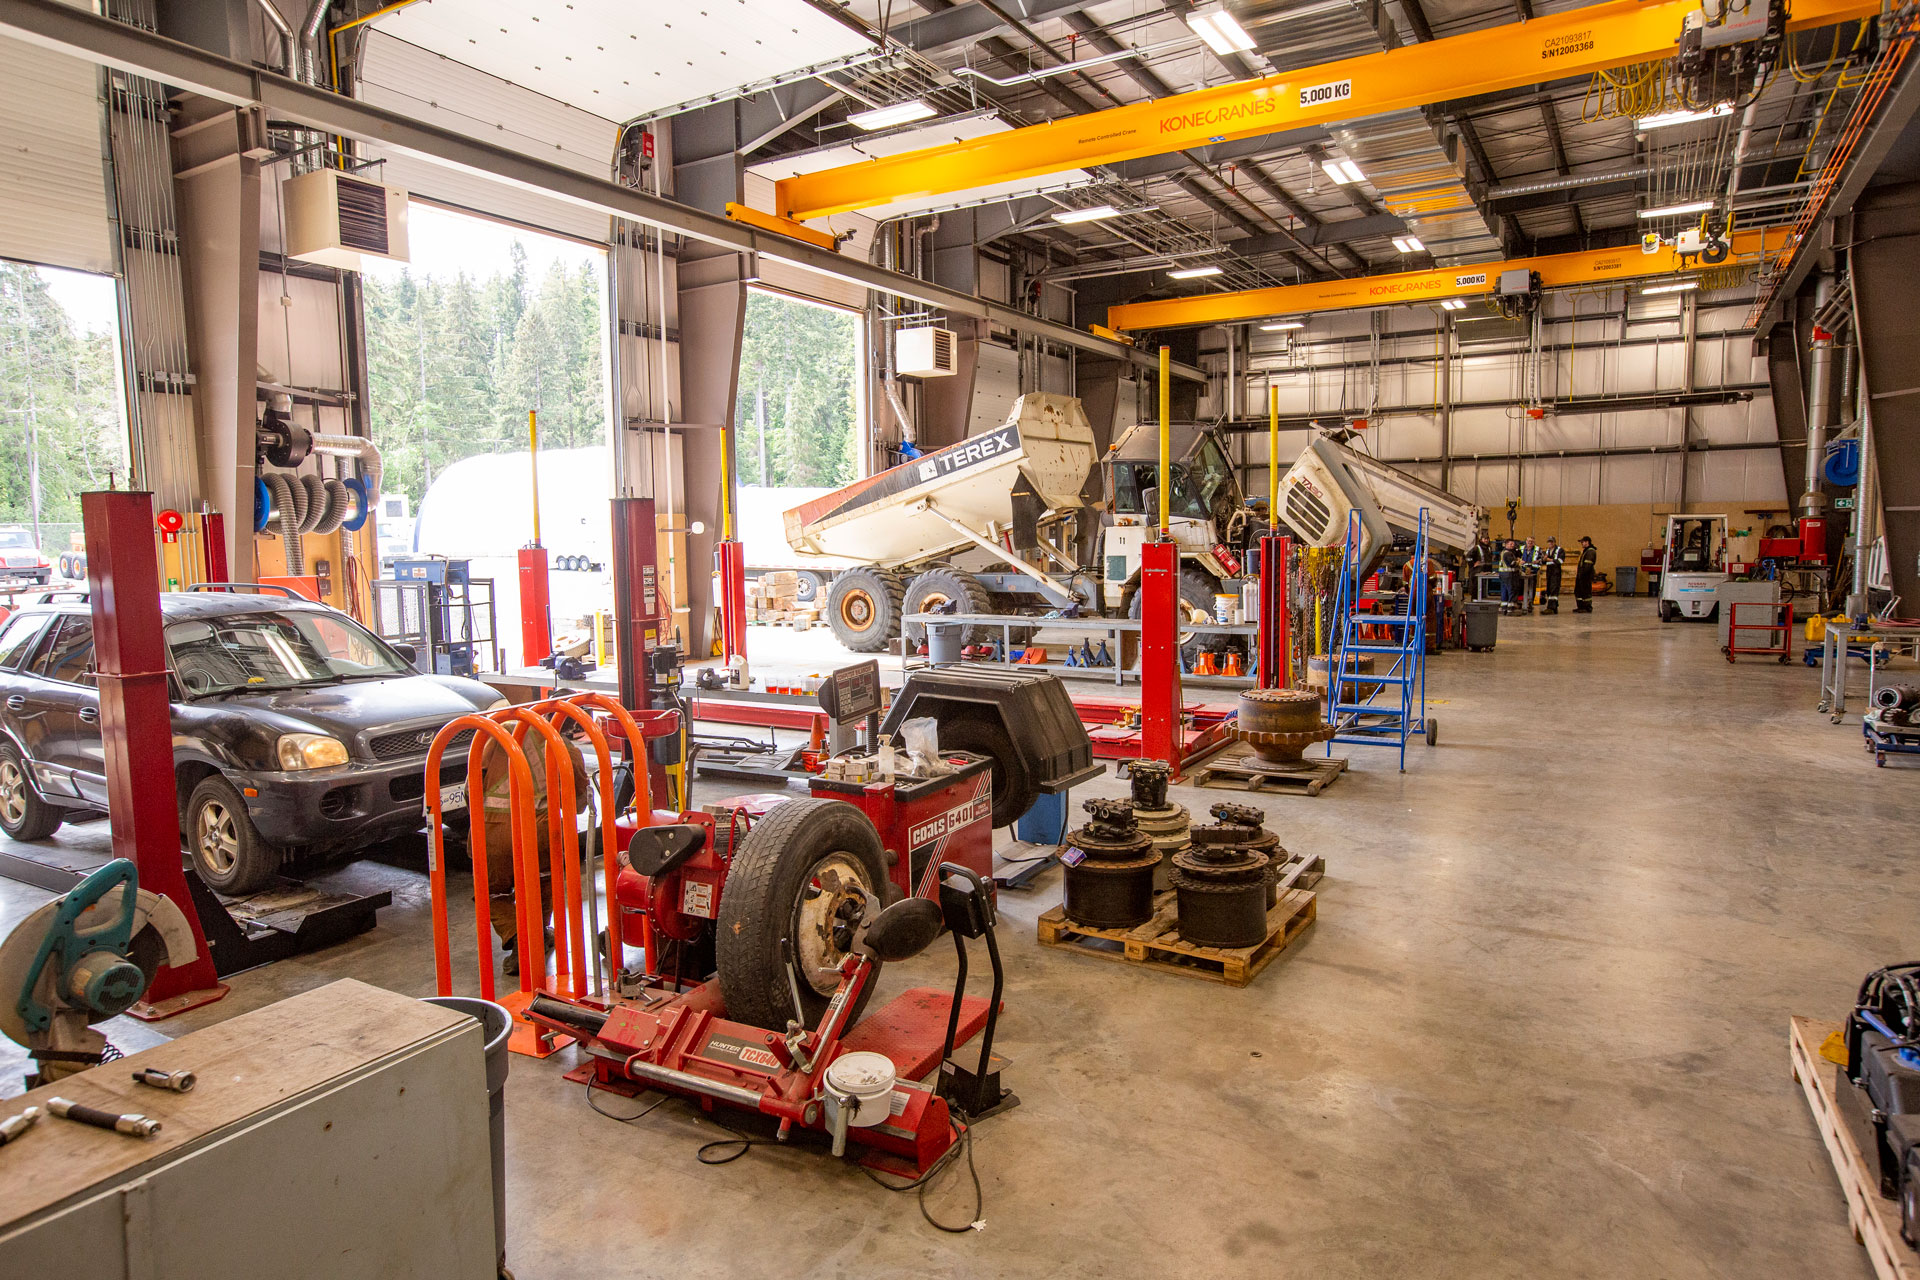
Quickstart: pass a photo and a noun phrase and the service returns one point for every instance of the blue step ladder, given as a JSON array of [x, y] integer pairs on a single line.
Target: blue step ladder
[[1380, 708]]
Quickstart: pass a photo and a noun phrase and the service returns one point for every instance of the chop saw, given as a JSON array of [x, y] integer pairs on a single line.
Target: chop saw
[[83, 958]]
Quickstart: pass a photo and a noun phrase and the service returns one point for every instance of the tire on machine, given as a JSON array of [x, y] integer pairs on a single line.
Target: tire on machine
[[940, 586], [864, 609], [807, 586], [779, 900]]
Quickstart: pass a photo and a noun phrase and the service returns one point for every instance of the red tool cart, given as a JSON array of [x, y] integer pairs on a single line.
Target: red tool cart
[[1778, 628]]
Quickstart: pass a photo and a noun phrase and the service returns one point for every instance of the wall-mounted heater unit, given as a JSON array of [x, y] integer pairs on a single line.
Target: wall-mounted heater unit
[[335, 219]]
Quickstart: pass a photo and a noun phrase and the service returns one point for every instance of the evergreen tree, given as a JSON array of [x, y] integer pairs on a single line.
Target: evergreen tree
[[61, 420]]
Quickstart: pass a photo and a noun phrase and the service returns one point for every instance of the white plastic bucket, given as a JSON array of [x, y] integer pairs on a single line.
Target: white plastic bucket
[[862, 1082]]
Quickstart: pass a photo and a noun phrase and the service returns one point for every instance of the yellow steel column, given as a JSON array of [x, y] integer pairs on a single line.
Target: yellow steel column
[[1165, 476], [1273, 458], [533, 465]]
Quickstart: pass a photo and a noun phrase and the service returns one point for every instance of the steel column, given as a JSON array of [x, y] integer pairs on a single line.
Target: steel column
[[536, 610], [136, 725], [1276, 632], [730, 559], [1160, 736]]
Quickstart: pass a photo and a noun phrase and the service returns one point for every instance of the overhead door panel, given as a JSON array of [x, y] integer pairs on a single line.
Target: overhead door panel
[[439, 91], [53, 190]]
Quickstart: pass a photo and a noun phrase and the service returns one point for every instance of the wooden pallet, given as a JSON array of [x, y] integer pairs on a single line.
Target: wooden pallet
[[1157, 944], [1875, 1221], [1230, 769]]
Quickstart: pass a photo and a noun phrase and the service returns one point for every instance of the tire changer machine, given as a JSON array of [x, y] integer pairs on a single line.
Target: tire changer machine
[[765, 920]]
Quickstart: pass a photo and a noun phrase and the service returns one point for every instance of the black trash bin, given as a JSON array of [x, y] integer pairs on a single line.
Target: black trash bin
[[496, 1028], [1483, 625]]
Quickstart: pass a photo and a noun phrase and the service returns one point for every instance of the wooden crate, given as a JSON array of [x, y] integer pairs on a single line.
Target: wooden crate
[[1157, 943], [1229, 768], [1875, 1221]]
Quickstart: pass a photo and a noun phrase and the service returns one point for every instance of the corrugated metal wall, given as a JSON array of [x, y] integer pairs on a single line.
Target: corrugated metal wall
[[1613, 347]]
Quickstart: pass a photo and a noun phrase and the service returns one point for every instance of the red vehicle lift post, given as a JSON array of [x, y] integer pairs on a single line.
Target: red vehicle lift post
[[536, 614], [136, 727], [1160, 736]]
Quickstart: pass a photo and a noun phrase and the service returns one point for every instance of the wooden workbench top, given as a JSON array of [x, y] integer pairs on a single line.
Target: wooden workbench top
[[243, 1065]]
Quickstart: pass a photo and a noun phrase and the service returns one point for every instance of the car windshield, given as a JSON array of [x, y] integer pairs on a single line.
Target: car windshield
[[15, 540], [273, 650]]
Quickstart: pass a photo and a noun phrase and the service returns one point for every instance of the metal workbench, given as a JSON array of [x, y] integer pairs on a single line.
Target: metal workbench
[[1840, 637], [1103, 628]]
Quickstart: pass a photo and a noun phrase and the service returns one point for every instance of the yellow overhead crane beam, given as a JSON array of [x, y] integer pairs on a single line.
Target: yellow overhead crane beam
[[1480, 279], [1547, 47]]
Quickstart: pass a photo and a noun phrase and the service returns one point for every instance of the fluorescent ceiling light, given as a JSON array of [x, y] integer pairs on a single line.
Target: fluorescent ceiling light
[[1193, 273], [887, 117], [1280, 326], [1408, 244], [1092, 214], [1670, 288], [1453, 304], [1343, 171], [1218, 28], [1665, 118], [1676, 210]]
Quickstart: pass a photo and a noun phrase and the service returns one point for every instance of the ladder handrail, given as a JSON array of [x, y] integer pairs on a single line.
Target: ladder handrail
[[1408, 645]]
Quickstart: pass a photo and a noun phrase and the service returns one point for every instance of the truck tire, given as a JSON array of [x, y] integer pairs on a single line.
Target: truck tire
[[941, 586], [774, 906], [982, 733], [807, 586], [1196, 592], [864, 608]]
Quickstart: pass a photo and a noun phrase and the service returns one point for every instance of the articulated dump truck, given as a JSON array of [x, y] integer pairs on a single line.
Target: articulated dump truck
[[1024, 519]]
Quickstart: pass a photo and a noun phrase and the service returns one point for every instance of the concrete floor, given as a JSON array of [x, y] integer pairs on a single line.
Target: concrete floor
[[1538, 1030]]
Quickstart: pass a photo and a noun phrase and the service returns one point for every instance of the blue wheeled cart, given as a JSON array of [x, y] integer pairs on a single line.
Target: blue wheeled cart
[[1885, 739]]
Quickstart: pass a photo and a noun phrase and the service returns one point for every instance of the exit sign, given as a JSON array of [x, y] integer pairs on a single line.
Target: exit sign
[[1843, 504]]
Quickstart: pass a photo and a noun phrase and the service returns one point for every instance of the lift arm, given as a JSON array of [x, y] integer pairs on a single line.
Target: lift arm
[[1556, 271], [1547, 47]]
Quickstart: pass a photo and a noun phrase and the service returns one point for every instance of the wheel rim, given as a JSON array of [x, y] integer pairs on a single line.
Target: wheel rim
[[13, 793], [856, 610], [837, 878], [217, 839]]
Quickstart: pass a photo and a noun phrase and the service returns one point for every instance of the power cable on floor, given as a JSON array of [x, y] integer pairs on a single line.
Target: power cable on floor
[[963, 1136], [622, 1119]]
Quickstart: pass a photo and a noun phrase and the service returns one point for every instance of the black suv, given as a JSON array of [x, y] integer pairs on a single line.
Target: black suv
[[295, 730]]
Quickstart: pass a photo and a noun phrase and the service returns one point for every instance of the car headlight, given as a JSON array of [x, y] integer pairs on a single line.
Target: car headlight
[[310, 751]]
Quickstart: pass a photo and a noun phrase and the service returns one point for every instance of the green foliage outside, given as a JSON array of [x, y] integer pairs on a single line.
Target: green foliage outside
[[61, 429], [456, 364], [799, 364]]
